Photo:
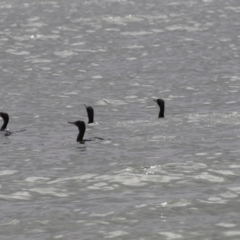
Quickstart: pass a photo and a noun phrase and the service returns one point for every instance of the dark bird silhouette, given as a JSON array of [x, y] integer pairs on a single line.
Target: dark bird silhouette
[[90, 112], [161, 105], [3, 128], [5, 118], [82, 128]]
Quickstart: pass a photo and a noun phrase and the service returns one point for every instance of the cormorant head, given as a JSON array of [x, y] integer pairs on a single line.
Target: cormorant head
[[159, 101], [80, 124]]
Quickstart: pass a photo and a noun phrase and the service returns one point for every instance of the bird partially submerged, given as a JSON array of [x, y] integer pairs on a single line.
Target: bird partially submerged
[[3, 128], [5, 118], [82, 128], [90, 112], [161, 105]]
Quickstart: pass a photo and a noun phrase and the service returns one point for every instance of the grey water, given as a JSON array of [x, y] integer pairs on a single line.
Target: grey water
[[171, 178]]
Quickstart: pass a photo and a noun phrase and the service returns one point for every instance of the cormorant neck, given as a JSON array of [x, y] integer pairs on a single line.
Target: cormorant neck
[[5, 122], [82, 130], [90, 112], [90, 116], [161, 105], [161, 113]]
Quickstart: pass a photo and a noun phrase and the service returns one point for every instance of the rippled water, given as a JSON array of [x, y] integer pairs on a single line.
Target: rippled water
[[172, 178]]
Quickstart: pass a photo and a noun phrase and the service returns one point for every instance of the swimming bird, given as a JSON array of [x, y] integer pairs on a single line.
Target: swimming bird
[[82, 128], [5, 118], [90, 112], [161, 105], [4, 129]]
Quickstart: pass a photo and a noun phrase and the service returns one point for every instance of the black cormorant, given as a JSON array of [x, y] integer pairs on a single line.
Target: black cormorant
[[161, 105], [82, 128]]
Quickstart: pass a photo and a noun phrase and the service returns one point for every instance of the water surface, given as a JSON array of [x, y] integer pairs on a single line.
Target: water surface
[[172, 178]]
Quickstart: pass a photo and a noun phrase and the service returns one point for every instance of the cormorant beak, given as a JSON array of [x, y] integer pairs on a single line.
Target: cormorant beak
[[85, 106], [155, 100], [72, 123]]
